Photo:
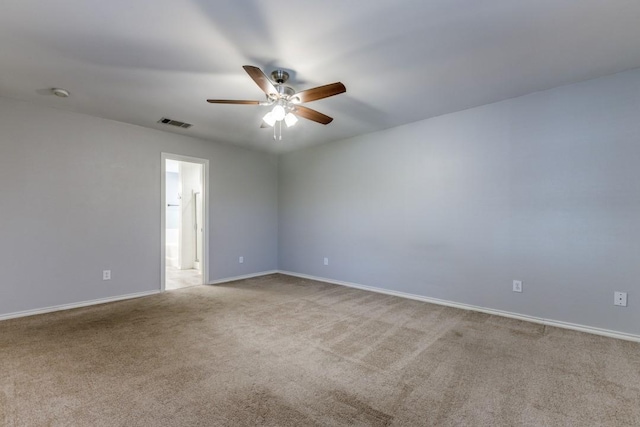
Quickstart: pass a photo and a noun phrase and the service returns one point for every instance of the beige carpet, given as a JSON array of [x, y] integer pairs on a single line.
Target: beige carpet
[[282, 351]]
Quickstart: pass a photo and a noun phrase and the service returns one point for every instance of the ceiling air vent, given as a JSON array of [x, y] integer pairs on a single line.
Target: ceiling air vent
[[175, 123]]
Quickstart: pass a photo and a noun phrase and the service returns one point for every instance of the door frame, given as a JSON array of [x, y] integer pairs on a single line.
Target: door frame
[[205, 212]]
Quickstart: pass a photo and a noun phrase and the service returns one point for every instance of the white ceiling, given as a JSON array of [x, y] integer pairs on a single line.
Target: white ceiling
[[401, 60]]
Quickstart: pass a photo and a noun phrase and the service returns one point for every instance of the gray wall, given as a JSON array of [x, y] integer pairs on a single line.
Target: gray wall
[[544, 188], [79, 194]]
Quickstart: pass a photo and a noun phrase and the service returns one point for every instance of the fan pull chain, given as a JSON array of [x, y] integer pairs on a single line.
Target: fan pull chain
[[279, 133]]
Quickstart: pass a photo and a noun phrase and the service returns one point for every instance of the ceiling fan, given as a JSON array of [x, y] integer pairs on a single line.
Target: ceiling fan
[[285, 100]]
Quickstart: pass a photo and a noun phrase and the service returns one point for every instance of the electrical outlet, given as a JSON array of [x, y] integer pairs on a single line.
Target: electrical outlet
[[326, 261], [241, 260], [620, 298], [517, 286], [106, 274]]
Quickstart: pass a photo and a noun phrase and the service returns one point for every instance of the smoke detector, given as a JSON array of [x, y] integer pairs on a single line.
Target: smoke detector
[[62, 93]]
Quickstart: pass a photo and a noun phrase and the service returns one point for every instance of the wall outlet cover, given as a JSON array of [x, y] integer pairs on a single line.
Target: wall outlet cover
[[620, 299], [326, 261], [241, 260], [106, 274], [517, 286]]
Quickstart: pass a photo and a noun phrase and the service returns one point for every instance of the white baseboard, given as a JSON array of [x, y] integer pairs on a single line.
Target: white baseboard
[[246, 276], [75, 305], [540, 320], [549, 322], [116, 298]]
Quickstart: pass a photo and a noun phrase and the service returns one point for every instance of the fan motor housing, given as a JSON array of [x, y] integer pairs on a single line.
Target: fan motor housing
[[285, 90]]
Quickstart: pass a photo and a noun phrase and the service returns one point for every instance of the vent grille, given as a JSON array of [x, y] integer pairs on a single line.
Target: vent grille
[[175, 123]]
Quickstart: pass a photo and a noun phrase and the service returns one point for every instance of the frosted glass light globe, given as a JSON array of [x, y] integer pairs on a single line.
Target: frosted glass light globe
[[290, 120], [278, 112], [268, 119]]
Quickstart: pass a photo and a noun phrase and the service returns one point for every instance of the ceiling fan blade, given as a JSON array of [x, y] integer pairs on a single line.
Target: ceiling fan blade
[[310, 114], [320, 92], [261, 79], [232, 101]]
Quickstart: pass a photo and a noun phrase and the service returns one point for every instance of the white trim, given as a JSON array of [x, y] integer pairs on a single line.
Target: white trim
[[246, 276], [76, 305], [205, 212], [526, 318]]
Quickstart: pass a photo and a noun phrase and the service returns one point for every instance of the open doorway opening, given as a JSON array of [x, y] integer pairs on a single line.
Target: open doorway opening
[[184, 222]]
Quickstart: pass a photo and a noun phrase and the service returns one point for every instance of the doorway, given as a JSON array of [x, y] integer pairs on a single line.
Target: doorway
[[184, 221]]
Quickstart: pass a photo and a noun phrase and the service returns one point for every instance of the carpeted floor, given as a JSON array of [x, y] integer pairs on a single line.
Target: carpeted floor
[[283, 351]]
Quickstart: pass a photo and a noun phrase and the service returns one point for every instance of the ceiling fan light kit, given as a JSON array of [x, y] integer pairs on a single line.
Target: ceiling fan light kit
[[286, 99]]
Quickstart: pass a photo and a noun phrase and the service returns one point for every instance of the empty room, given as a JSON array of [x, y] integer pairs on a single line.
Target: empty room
[[320, 213]]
